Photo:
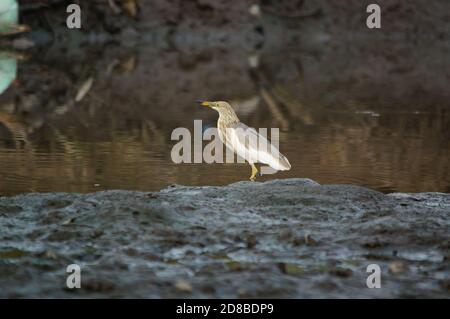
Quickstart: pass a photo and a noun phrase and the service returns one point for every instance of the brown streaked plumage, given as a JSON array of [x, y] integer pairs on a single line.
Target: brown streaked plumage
[[245, 141]]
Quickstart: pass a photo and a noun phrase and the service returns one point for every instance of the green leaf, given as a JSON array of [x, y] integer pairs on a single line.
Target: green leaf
[[9, 15], [8, 70]]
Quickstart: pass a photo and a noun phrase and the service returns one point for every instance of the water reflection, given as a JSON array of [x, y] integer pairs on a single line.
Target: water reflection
[[90, 126]]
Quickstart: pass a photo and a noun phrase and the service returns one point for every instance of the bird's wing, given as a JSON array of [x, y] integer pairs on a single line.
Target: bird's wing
[[254, 147]]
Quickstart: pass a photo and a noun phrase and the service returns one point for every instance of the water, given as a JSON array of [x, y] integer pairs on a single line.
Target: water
[[118, 135]]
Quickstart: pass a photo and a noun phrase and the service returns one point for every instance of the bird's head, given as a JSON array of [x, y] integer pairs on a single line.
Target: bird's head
[[219, 106], [226, 112]]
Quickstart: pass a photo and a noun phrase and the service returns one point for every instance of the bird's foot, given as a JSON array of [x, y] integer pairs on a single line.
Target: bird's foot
[[254, 172]]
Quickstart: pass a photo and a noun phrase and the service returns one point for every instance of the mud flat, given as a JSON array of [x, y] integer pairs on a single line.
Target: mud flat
[[282, 238]]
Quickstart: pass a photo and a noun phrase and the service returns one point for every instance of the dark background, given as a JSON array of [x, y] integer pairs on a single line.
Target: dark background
[[354, 105]]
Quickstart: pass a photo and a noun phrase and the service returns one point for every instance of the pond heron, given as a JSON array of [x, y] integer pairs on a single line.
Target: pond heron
[[245, 141]]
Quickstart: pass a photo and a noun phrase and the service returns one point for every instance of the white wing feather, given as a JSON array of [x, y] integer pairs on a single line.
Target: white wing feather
[[254, 147]]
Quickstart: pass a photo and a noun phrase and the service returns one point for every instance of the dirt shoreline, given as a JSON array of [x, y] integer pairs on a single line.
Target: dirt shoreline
[[283, 238]]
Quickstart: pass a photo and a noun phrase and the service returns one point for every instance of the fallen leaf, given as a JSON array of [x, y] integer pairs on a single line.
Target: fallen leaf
[[68, 221], [84, 89], [130, 7]]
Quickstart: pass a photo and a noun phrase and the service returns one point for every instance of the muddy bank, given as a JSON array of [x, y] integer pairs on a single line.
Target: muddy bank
[[308, 55], [321, 52], [282, 238]]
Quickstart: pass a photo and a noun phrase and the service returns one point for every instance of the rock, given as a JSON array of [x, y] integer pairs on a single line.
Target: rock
[[255, 10], [23, 44], [183, 286], [445, 284], [251, 241], [341, 272], [245, 239], [398, 267], [309, 240]]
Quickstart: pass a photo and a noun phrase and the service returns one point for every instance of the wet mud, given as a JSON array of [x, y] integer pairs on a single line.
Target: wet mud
[[283, 238]]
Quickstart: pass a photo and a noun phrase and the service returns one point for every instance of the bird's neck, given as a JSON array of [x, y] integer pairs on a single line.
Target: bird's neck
[[228, 117]]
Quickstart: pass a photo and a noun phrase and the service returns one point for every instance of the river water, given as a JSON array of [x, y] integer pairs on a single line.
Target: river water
[[102, 118]]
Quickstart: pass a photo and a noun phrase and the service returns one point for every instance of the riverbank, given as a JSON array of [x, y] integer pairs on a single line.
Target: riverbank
[[287, 238]]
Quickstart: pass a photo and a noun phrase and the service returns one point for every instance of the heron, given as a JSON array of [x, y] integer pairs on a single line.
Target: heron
[[245, 141]]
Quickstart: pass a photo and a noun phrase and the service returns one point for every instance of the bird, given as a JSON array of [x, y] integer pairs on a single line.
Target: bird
[[237, 136]]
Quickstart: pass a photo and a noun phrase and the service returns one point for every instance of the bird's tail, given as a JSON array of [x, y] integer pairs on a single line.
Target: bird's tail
[[283, 163]]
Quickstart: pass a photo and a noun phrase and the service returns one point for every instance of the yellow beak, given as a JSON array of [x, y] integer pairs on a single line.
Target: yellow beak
[[204, 103]]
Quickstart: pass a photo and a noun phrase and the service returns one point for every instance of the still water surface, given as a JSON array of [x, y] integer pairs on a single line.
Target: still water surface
[[118, 135]]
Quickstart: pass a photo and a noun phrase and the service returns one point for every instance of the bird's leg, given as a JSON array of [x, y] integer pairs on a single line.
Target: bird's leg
[[254, 172]]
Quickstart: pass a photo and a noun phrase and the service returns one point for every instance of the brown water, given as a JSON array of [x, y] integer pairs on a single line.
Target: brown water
[[118, 135]]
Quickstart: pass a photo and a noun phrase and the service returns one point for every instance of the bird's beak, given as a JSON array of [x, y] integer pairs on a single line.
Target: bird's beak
[[204, 103]]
